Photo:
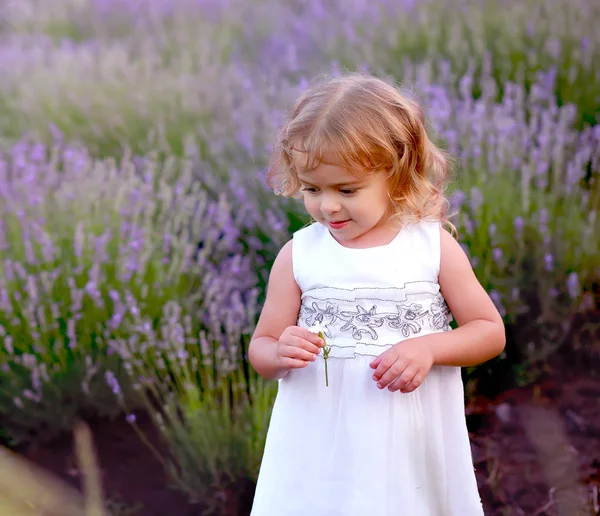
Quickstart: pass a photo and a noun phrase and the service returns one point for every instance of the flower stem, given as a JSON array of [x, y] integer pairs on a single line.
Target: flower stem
[[326, 350]]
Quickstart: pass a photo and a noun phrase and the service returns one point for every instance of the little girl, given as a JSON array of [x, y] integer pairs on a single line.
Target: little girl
[[369, 416]]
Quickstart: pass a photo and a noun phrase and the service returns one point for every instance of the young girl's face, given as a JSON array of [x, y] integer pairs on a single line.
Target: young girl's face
[[350, 205]]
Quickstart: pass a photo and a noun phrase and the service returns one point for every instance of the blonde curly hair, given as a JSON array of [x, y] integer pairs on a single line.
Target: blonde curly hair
[[371, 126]]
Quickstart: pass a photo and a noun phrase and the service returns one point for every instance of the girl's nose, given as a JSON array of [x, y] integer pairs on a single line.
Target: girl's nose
[[329, 204]]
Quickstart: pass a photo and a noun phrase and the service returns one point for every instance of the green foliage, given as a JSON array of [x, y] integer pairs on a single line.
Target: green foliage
[[93, 259], [217, 438]]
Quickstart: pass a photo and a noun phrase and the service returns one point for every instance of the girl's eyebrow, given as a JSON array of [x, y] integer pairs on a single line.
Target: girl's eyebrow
[[338, 185], [349, 183]]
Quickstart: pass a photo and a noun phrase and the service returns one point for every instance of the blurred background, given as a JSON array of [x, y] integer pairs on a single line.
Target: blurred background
[[136, 230]]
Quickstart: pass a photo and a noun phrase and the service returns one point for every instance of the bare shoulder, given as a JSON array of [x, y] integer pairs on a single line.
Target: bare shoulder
[[284, 257], [281, 277], [464, 294], [282, 303], [452, 254]]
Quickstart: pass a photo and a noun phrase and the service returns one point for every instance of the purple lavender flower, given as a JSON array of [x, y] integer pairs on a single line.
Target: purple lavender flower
[[79, 240], [112, 382], [585, 43], [8, 345], [515, 294], [29, 360], [519, 224], [457, 200], [573, 286], [182, 354], [476, 198], [31, 395], [468, 225], [71, 333], [548, 262]]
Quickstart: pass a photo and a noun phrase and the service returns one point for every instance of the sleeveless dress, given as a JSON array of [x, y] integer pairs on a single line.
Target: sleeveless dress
[[349, 448]]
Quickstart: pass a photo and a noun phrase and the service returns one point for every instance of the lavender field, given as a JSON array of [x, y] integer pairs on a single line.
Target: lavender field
[[136, 230]]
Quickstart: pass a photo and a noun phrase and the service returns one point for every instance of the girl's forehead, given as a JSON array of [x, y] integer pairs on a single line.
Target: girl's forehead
[[325, 166], [330, 174], [310, 159]]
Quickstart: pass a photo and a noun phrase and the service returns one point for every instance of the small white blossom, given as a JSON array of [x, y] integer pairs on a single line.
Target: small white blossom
[[318, 327], [321, 330]]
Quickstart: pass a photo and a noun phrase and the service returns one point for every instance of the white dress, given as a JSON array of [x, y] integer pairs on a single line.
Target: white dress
[[350, 449]]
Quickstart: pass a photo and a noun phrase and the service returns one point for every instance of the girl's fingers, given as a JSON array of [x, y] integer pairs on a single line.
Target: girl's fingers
[[301, 343], [393, 372], [395, 385], [375, 362], [294, 363], [313, 343], [414, 383], [403, 380], [386, 360], [300, 353], [309, 336]]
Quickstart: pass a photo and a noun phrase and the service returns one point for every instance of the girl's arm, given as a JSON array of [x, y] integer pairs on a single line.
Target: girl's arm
[[480, 334], [279, 312]]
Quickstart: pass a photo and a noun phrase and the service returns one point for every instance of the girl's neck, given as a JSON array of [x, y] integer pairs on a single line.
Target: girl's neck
[[382, 234]]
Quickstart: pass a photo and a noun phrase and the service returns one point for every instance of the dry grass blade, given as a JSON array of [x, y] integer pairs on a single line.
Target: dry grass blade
[[88, 465], [26, 490]]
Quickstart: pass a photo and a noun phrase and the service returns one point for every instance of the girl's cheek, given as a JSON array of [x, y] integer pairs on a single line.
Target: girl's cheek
[[311, 206]]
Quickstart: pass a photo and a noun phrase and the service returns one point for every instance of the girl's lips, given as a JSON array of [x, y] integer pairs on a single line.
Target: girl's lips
[[338, 225]]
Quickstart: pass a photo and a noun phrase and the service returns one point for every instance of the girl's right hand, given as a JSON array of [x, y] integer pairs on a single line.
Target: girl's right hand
[[297, 347]]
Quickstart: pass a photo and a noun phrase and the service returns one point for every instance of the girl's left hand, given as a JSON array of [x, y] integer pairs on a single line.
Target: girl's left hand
[[404, 366]]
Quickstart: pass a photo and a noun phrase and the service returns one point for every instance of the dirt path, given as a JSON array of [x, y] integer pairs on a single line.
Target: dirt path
[[536, 451]]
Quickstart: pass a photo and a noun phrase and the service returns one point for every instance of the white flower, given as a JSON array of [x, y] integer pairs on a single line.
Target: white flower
[[318, 327], [321, 330]]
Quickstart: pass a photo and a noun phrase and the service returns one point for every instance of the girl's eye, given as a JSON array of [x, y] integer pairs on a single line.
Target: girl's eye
[[348, 192], [309, 189]]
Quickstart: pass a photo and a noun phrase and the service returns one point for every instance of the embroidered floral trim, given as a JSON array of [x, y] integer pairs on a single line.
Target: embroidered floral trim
[[408, 319], [354, 322]]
